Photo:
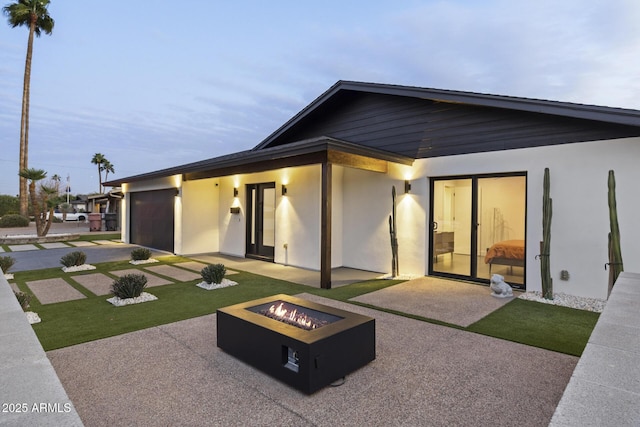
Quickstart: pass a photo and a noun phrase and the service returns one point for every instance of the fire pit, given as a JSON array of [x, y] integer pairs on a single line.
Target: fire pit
[[303, 344]]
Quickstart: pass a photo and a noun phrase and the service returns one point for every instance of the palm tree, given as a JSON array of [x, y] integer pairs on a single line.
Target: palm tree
[[40, 204], [32, 14], [99, 159], [107, 167]]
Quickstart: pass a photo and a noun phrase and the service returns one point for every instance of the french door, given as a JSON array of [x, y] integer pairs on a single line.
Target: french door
[[472, 215], [261, 226]]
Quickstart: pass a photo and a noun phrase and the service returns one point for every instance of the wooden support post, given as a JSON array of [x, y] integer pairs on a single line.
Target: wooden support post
[[325, 228]]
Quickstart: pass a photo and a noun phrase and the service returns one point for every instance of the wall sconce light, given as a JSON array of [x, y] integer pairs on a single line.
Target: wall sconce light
[[235, 192], [284, 190], [407, 186]]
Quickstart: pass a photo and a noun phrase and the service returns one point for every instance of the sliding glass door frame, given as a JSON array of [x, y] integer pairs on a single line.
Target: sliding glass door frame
[[473, 225]]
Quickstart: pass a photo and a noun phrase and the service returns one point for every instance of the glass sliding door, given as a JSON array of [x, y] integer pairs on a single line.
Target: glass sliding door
[[451, 226], [478, 227]]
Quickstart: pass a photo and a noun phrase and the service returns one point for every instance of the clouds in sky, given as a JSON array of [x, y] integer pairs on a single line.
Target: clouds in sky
[[154, 85]]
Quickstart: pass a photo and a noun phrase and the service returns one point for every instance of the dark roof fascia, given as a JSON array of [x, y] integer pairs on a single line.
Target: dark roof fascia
[[557, 108], [300, 150]]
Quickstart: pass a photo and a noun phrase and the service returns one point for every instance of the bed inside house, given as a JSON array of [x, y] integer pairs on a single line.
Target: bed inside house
[[507, 252]]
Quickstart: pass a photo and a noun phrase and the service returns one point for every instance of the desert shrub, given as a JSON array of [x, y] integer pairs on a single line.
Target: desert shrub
[[129, 285], [73, 259], [14, 220], [140, 254], [6, 262], [213, 273], [9, 204], [23, 299]]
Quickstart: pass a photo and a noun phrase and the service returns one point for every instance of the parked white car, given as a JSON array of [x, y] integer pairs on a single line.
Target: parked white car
[[72, 216]]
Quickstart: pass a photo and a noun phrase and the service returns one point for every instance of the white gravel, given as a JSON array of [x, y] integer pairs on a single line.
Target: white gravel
[[74, 268], [565, 300], [144, 297], [143, 261], [211, 286]]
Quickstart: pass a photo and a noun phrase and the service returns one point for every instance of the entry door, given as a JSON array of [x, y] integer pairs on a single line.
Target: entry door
[[474, 216], [261, 220]]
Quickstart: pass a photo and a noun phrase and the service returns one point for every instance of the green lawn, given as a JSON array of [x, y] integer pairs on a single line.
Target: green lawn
[[63, 324]]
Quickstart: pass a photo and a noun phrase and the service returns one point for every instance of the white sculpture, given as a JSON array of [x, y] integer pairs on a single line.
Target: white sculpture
[[499, 287]]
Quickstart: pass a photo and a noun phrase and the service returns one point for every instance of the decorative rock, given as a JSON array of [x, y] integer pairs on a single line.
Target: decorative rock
[[143, 261], [500, 288], [565, 300], [32, 317], [144, 297], [211, 286], [8, 276], [74, 268]]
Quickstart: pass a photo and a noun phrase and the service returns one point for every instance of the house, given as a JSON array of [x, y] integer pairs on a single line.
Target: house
[[467, 168]]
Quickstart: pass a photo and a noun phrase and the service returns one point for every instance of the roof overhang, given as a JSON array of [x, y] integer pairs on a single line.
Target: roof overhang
[[313, 151]]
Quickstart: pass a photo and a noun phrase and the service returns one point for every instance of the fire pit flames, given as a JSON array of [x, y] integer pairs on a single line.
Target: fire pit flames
[[292, 314]]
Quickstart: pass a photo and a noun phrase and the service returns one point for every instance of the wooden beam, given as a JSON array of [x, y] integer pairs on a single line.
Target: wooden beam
[[325, 227], [357, 161]]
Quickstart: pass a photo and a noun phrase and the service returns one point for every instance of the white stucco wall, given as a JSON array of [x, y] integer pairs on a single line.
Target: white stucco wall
[[297, 215], [199, 217], [367, 206], [580, 222]]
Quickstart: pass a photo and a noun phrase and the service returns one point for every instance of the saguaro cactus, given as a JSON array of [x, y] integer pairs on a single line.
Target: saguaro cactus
[[395, 268], [615, 253], [545, 245]]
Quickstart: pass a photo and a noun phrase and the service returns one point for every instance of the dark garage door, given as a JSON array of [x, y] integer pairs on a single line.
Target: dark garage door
[[152, 218]]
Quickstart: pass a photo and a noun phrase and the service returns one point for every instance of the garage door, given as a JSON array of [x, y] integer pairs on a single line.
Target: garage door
[[152, 218]]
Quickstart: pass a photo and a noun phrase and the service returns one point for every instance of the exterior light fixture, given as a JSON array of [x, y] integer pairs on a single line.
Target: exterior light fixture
[[284, 190], [407, 186], [235, 192]]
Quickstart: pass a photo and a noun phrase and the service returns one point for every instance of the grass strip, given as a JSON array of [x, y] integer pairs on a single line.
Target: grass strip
[[552, 327]]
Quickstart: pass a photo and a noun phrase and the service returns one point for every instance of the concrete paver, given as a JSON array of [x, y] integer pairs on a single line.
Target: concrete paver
[[81, 244], [452, 302], [173, 272], [98, 283], [25, 247], [54, 290], [54, 245]]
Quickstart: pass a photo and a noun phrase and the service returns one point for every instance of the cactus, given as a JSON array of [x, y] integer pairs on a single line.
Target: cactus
[[545, 245], [395, 268], [615, 253]]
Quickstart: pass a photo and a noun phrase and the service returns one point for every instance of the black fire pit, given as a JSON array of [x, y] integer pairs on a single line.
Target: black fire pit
[[303, 344]]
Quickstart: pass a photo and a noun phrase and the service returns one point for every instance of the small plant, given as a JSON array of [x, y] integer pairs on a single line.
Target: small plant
[[23, 299], [73, 259], [129, 285], [140, 254], [213, 273], [6, 262], [14, 220]]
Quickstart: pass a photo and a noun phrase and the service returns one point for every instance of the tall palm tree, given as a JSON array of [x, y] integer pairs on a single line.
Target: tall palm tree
[[99, 159], [107, 167], [34, 15]]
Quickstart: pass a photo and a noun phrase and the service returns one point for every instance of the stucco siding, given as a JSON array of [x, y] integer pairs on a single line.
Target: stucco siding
[[580, 222], [200, 232]]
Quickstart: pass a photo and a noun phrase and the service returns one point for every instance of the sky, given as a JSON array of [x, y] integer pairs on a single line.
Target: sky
[[158, 84]]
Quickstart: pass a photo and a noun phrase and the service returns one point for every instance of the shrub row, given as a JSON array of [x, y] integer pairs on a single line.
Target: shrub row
[[14, 220]]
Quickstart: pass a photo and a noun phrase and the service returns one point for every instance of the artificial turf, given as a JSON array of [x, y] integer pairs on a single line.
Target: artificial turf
[[68, 323]]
